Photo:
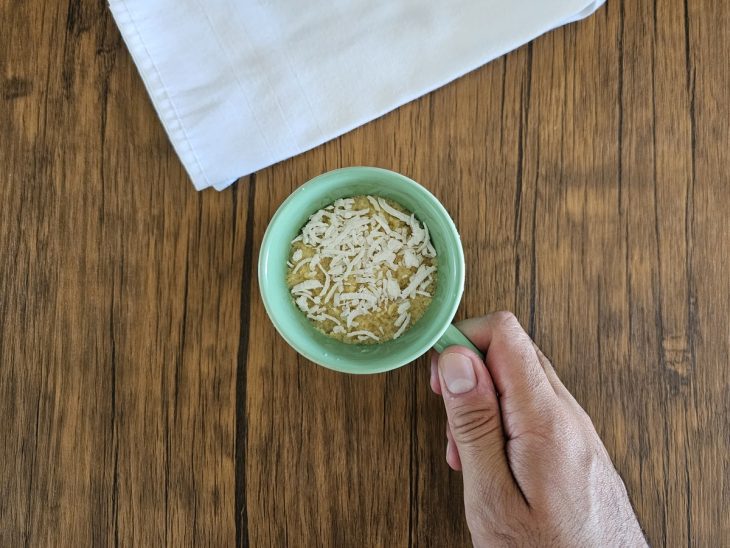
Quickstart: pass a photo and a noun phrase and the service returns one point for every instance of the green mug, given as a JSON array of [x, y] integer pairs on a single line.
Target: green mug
[[433, 330]]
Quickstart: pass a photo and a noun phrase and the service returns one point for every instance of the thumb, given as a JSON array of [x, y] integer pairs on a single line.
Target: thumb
[[475, 421]]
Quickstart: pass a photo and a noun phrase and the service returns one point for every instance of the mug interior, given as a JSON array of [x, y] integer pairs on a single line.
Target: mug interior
[[293, 325]]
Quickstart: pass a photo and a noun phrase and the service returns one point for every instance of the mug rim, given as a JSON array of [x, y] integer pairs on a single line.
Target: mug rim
[[347, 367]]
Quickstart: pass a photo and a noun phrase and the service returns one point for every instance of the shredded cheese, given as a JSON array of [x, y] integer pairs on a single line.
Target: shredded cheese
[[368, 260]]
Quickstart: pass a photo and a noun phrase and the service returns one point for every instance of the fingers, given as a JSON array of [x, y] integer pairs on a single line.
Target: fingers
[[514, 364], [550, 373], [475, 429], [525, 393], [562, 392], [435, 383], [452, 452]]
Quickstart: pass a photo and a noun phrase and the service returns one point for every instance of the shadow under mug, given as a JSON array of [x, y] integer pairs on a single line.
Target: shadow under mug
[[433, 330]]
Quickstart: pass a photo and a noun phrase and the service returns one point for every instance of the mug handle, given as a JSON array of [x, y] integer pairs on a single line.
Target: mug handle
[[453, 337]]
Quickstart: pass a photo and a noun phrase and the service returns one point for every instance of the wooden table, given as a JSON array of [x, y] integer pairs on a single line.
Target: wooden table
[[147, 400]]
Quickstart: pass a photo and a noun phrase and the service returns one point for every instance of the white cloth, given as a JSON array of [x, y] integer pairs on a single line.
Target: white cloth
[[240, 85]]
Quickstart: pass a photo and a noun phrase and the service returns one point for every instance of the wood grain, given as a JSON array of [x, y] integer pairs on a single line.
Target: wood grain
[[148, 400]]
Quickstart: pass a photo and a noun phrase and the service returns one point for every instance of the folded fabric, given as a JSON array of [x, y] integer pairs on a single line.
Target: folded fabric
[[242, 85]]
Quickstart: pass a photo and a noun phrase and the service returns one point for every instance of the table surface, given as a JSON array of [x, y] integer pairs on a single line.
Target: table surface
[[146, 397]]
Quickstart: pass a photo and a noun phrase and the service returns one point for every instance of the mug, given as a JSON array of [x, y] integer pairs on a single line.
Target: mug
[[432, 330]]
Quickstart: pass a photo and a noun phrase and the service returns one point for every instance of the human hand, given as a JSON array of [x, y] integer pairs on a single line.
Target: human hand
[[535, 471]]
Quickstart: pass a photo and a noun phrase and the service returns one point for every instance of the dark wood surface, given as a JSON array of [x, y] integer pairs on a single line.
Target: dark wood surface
[[146, 399]]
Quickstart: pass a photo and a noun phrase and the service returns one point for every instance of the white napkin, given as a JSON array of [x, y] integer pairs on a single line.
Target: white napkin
[[240, 85]]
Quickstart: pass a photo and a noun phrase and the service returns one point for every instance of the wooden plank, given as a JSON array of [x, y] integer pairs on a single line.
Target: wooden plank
[[150, 401], [707, 406], [120, 301]]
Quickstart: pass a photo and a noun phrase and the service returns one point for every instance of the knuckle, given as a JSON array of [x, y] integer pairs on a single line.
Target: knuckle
[[506, 318], [578, 445], [509, 328], [470, 422]]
